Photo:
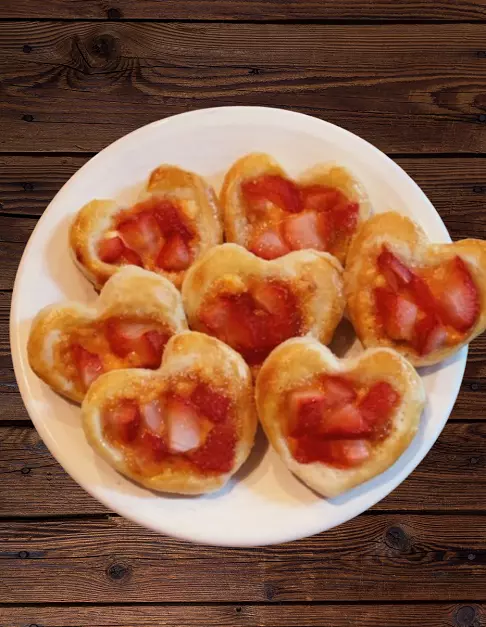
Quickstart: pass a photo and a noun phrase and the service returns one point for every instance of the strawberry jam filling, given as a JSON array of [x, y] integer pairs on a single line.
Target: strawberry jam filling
[[253, 322], [337, 421], [192, 430], [285, 216], [427, 309], [111, 344], [153, 234]]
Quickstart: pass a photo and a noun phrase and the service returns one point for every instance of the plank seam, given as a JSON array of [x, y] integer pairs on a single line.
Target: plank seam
[[360, 21]]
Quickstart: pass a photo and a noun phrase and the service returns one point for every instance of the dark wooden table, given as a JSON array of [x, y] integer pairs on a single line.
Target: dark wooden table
[[409, 76]]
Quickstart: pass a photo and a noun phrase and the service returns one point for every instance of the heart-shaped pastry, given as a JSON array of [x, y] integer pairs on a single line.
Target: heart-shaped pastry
[[271, 215], [71, 344], [175, 220], [338, 422], [424, 300], [253, 304], [185, 428]]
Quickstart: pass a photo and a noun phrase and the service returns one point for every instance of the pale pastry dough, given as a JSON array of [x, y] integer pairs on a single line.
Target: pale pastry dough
[[314, 278], [194, 198], [132, 292], [406, 239], [188, 357], [237, 226], [300, 360]]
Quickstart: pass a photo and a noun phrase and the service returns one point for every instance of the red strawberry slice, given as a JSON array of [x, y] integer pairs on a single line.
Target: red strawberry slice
[[338, 453], [303, 231], [150, 450], [174, 255], [183, 425], [345, 217], [269, 244], [211, 403], [271, 297], [126, 337], [395, 272], [242, 328], [306, 409], [397, 313], [141, 233], [218, 451], [320, 197], [345, 422], [110, 249], [278, 190], [430, 335], [132, 258], [89, 365], [378, 405], [158, 341], [122, 421], [215, 315], [458, 299], [171, 220], [153, 415], [338, 391]]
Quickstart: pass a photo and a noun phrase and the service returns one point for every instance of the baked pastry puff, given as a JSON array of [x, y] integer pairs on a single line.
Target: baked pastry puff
[[338, 422], [253, 304], [175, 220], [270, 214], [71, 344], [424, 300], [186, 427]]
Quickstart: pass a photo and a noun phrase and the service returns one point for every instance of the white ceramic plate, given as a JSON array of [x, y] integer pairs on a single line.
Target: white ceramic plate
[[264, 503]]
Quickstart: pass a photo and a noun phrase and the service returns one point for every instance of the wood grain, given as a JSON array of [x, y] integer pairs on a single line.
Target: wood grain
[[371, 558], [260, 10], [297, 615], [78, 86], [452, 477]]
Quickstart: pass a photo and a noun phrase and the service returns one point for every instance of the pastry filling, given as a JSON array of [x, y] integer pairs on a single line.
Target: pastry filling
[[110, 344], [337, 421], [154, 234], [193, 430], [285, 216], [253, 322], [425, 309]]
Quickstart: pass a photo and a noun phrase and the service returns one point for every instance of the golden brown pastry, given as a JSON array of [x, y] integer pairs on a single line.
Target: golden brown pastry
[[270, 214], [425, 300], [338, 422], [253, 304], [175, 220], [71, 344], [185, 428]]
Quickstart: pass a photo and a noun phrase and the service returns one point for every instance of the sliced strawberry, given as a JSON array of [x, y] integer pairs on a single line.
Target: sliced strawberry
[[131, 257], [270, 187], [89, 365], [242, 327], [395, 272], [346, 421], [216, 314], [338, 453], [183, 425], [303, 231], [430, 335], [126, 337], [397, 313], [271, 297], [345, 217], [158, 341], [110, 249], [422, 295], [149, 451], [306, 409], [378, 405], [320, 197], [458, 298], [218, 451], [269, 244], [171, 220], [122, 421], [174, 255], [141, 233], [338, 391], [211, 403], [153, 415]]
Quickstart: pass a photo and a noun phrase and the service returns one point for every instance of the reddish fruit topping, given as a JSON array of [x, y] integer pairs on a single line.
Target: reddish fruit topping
[[171, 220], [218, 451], [306, 409], [339, 453], [153, 416], [321, 198], [122, 421], [302, 231], [338, 391], [110, 249], [141, 233], [174, 255], [89, 365], [183, 425], [397, 313], [269, 244], [278, 190], [458, 298], [126, 337], [395, 272], [345, 422], [378, 405], [430, 335], [211, 403]]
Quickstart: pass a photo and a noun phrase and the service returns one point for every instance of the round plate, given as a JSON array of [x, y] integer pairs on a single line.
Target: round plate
[[264, 503]]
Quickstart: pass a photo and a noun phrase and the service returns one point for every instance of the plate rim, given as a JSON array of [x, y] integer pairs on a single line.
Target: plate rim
[[21, 368]]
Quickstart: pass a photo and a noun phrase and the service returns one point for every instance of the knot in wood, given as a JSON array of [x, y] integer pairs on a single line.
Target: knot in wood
[[25, 470], [105, 46], [23, 555], [27, 49], [397, 539], [114, 14], [28, 118], [28, 187], [482, 117], [466, 617], [270, 590], [118, 571]]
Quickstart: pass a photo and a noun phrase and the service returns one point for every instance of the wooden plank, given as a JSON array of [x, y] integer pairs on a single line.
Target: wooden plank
[[371, 558], [452, 477], [260, 10], [78, 86], [296, 615]]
